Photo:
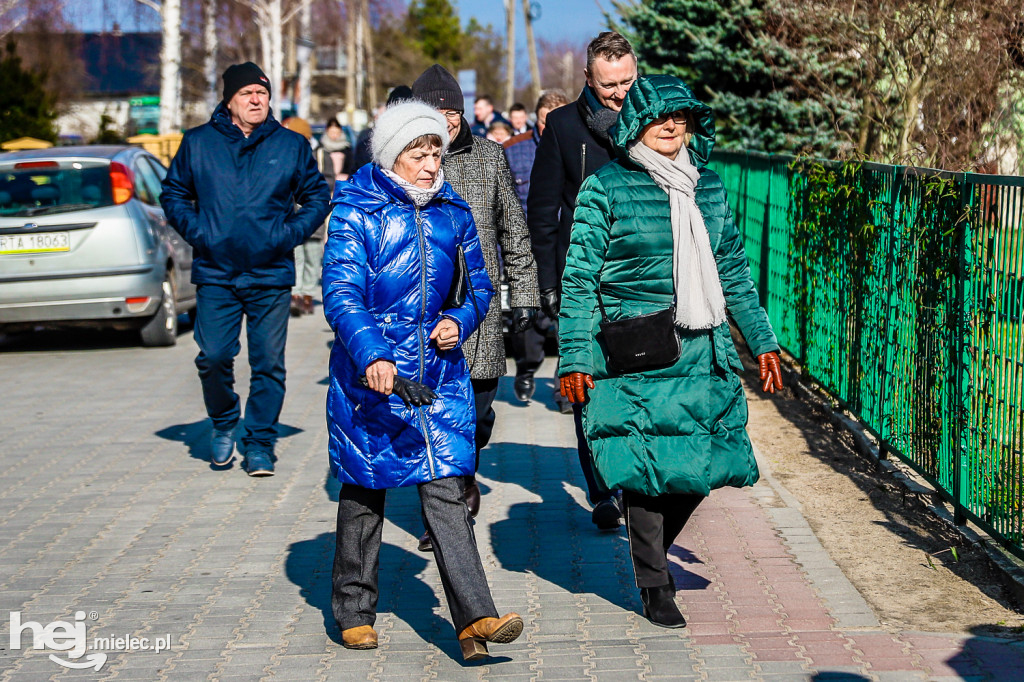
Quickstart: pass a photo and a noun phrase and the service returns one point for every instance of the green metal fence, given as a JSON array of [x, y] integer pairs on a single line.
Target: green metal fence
[[900, 291]]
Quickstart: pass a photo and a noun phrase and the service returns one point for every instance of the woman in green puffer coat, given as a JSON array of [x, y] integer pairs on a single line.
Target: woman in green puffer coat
[[653, 230]]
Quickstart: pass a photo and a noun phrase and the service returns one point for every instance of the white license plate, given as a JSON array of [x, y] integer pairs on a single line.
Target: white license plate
[[36, 242]]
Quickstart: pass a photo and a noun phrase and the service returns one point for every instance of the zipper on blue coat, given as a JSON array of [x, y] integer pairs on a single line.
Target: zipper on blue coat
[[419, 334]]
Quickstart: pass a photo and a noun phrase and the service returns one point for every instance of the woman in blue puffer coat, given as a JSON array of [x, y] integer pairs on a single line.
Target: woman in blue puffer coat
[[400, 405]]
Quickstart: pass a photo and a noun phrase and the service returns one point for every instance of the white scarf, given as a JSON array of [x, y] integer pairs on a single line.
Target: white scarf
[[699, 300], [420, 196]]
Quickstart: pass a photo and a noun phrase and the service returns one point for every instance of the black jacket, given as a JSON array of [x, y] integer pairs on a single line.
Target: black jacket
[[568, 152]]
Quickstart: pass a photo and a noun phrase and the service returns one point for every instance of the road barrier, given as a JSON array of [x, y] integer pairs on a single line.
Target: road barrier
[[900, 291]]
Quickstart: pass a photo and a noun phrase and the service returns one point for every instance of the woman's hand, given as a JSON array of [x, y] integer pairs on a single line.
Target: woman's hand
[[380, 375], [445, 334], [574, 386], [771, 372]]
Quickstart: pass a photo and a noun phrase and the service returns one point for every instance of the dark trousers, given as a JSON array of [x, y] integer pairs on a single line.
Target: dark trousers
[[219, 315], [653, 524], [484, 391], [528, 346], [357, 553], [595, 492]]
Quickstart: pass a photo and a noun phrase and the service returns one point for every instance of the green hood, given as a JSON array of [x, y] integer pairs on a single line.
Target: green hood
[[653, 96]]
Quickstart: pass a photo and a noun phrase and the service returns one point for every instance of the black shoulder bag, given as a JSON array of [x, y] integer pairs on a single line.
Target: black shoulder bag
[[635, 344], [460, 281]]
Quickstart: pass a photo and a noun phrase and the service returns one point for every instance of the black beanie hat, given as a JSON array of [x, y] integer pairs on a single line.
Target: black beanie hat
[[237, 76], [400, 93], [439, 89]]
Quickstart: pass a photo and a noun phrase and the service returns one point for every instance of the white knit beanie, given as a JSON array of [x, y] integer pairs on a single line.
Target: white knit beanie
[[400, 124]]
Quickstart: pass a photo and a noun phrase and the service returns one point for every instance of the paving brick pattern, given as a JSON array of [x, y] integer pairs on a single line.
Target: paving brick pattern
[[108, 506]]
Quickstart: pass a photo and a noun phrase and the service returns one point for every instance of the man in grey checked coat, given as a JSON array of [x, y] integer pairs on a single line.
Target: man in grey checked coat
[[478, 171]]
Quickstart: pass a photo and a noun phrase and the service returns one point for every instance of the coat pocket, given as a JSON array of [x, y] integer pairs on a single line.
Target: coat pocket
[[725, 355]]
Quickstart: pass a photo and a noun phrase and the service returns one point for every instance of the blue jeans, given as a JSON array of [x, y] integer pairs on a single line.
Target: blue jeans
[[219, 314]]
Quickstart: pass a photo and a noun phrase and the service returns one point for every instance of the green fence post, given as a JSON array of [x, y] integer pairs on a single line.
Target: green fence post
[[766, 235], [961, 474], [888, 348]]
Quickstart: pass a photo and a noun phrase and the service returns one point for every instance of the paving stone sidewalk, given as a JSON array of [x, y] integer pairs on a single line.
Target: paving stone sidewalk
[[109, 508]]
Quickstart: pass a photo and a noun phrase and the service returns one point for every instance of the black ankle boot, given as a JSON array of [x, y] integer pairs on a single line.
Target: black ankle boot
[[660, 606]]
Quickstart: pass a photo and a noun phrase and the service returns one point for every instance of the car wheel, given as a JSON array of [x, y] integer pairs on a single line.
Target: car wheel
[[162, 328]]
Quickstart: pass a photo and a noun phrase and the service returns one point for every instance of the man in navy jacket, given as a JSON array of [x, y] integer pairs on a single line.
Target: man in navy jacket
[[232, 192]]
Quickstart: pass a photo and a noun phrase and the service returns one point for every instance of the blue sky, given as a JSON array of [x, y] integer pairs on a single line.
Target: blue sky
[[575, 20]]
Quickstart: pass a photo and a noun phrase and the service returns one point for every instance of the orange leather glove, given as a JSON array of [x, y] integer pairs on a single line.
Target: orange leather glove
[[574, 385], [771, 372]]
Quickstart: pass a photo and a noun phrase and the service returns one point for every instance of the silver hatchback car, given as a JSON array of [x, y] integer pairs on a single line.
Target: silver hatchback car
[[84, 242]]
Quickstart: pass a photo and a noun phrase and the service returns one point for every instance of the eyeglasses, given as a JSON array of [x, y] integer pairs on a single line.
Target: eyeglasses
[[452, 115], [678, 117]]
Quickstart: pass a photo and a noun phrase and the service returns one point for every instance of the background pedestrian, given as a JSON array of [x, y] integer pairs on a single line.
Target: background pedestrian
[[242, 226], [575, 143], [310, 254], [484, 113], [518, 119], [528, 345], [499, 132], [477, 170]]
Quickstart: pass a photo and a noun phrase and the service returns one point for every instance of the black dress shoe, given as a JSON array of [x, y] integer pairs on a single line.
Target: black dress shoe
[[606, 514], [660, 606], [524, 386], [425, 544]]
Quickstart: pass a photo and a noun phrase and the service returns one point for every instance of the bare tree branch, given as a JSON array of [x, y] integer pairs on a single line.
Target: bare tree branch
[[150, 4]]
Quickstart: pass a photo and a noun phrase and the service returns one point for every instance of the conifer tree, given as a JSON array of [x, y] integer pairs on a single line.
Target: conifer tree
[[724, 50], [26, 107]]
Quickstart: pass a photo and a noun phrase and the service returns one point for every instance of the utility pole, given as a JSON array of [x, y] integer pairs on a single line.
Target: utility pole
[[532, 47], [510, 52], [360, 56], [350, 61], [304, 50], [210, 53], [371, 61]]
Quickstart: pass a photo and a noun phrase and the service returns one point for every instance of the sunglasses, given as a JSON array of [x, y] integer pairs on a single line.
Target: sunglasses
[[678, 117]]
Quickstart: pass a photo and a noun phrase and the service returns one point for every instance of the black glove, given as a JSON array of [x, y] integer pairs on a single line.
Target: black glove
[[550, 302], [522, 319], [412, 393]]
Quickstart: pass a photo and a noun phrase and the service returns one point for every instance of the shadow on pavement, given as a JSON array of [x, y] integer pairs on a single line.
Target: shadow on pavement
[[45, 339], [332, 486], [196, 435], [48, 340], [309, 564], [554, 537], [685, 580], [905, 516], [996, 652]]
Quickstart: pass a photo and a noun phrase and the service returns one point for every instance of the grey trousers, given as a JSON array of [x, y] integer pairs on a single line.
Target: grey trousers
[[309, 258], [357, 553]]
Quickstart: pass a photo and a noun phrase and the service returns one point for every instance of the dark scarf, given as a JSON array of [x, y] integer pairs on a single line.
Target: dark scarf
[[598, 117], [463, 140]]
